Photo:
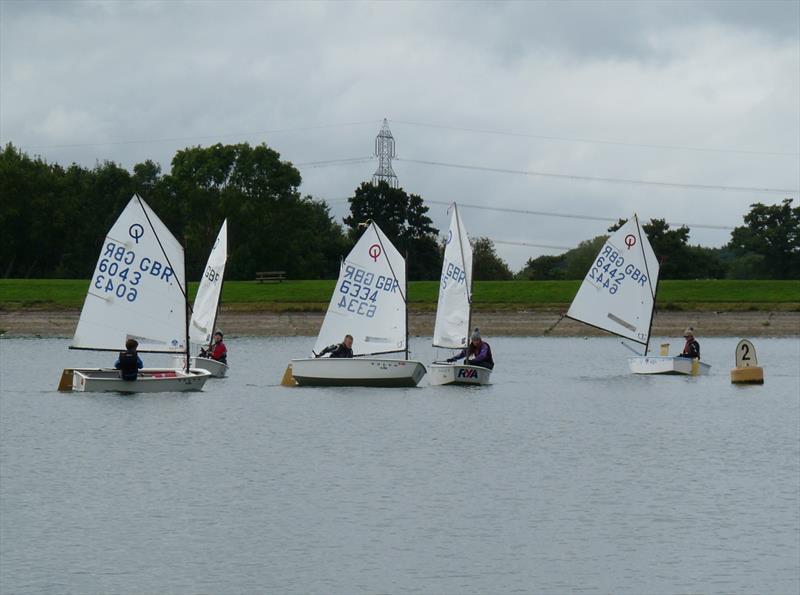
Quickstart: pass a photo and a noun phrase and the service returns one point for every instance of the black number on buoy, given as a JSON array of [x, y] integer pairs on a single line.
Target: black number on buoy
[[746, 349]]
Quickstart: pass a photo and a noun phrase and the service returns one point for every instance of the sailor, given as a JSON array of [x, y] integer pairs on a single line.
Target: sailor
[[217, 350], [692, 347], [129, 363], [339, 350], [477, 353]]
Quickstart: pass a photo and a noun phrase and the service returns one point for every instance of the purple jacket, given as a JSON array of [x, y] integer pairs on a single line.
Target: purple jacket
[[482, 356]]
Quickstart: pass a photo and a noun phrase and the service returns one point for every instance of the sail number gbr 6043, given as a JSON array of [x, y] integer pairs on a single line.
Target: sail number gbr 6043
[[360, 290], [610, 270], [119, 271]]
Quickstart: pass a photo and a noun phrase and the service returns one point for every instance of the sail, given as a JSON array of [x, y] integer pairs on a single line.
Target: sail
[[618, 293], [455, 289], [369, 300], [136, 289], [206, 302]]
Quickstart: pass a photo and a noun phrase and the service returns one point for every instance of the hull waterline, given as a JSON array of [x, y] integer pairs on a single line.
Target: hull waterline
[[362, 371], [150, 380], [668, 365], [458, 375], [215, 368]]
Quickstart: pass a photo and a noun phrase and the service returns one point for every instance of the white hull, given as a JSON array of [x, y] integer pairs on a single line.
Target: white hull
[[360, 371], [217, 369], [660, 364], [150, 380], [458, 374]]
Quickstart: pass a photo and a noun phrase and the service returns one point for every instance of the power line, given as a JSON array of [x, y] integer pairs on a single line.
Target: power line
[[205, 137], [684, 186], [333, 163], [543, 214], [593, 141], [530, 245], [568, 215]]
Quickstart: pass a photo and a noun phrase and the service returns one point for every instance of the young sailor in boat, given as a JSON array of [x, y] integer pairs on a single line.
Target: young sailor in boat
[[343, 349], [129, 363], [478, 353], [217, 351], [692, 347]]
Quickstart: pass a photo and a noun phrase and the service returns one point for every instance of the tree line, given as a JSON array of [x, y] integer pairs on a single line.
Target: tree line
[[55, 217]]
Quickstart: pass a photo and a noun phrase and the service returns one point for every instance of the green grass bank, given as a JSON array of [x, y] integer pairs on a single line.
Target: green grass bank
[[68, 294]]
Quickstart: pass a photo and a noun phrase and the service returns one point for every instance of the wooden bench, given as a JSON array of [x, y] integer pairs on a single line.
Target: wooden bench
[[279, 276]]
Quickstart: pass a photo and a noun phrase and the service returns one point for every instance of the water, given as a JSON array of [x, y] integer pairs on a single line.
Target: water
[[566, 475]]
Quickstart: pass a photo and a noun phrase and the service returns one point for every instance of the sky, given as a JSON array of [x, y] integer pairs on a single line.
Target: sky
[[598, 96]]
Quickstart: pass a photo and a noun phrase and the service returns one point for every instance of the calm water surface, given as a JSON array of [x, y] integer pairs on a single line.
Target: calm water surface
[[566, 475]]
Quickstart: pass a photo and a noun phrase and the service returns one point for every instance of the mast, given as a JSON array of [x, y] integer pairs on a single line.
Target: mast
[[186, 314], [463, 262], [649, 280], [216, 312], [406, 301]]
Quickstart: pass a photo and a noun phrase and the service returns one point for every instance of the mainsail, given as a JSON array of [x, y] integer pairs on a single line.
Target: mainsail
[[137, 288], [369, 301], [619, 291], [206, 302], [455, 289]]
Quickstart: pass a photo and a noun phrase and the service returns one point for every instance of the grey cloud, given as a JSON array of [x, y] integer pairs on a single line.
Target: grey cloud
[[697, 74]]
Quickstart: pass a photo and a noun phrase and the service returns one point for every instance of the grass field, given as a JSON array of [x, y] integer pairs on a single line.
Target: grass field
[[45, 294]]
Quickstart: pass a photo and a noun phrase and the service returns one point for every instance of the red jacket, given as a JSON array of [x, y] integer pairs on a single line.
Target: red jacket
[[219, 351]]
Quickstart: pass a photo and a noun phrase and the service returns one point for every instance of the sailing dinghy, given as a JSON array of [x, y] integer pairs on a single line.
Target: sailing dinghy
[[137, 292], [206, 305], [369, 303], [454, 310], [618, 295]]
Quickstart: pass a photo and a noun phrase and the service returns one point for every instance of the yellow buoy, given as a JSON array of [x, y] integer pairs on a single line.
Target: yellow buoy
[[747, 370], [665, 349], [288, 377]]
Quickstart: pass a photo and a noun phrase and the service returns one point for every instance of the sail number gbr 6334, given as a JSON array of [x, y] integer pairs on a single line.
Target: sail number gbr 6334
[[609, 271], [119, 271], [360, 290]]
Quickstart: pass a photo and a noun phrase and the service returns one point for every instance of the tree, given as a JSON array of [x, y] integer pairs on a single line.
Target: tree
[[770, 240], [270, 225], [543, 268], [677, 259], [486, 264], [403, 218], [578, 260]]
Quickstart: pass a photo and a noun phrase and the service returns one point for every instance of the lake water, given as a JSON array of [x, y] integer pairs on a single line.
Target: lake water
[[567, 475]]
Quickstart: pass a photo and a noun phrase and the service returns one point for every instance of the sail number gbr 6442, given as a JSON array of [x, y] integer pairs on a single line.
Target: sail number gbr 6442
[[609, 271], [359, 290], [120, 272]]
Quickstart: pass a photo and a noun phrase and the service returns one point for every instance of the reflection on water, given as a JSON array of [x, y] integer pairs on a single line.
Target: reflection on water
[[566, 475]]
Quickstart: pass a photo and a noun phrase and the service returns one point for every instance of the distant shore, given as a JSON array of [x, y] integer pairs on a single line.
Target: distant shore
[[61, 323]]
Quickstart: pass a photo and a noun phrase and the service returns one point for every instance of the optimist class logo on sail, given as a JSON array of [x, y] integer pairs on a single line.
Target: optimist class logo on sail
[[374, 252]]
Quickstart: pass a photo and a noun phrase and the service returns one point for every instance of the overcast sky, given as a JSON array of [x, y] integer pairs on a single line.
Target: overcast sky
[[711, 88]]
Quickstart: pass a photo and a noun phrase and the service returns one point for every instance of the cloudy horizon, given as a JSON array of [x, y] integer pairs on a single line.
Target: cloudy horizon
[[690, 95]]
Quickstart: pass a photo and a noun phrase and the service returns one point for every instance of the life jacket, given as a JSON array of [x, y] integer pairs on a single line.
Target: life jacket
[[473, 351], [128, 365], [220, 352], [342, 351], [692, 348]]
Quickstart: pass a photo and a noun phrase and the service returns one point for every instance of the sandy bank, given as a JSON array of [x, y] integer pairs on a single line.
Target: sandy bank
[[708, 324]]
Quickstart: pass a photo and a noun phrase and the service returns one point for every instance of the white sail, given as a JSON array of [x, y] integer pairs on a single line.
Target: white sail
[[369, 300], [206, 302], [455, 289], [619, 290], [136, 289]]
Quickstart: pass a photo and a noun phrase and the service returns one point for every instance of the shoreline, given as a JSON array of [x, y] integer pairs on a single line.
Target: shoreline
[[530, 323]]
